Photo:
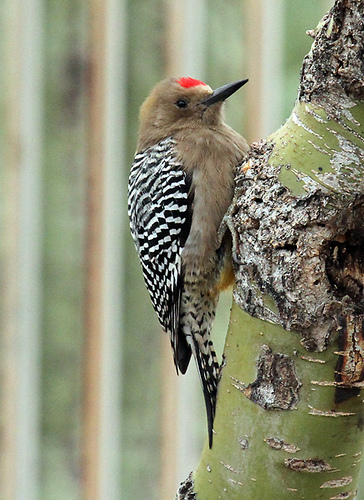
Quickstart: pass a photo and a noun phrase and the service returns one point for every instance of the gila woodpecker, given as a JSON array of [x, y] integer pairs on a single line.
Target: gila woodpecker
[[180, 186]]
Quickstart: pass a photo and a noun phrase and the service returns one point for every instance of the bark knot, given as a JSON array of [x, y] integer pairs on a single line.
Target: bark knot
[[186, 489], [276, 386]]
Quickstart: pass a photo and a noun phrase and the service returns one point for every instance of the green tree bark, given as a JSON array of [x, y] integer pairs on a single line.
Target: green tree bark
[[290, 417]]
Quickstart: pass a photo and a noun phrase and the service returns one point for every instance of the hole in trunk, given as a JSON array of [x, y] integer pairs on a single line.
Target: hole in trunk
[[345, 267]]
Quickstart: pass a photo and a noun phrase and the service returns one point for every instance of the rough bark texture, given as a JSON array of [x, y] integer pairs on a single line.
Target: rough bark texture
[[334, 68], [186, 491], [285, 243], [276, 386], [305, 251], [295, 358]]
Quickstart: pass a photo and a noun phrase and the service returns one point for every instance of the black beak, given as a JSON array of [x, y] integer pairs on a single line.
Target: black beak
[[223, 92]]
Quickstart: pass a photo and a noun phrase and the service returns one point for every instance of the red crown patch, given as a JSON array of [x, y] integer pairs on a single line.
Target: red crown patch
[[187, 82]]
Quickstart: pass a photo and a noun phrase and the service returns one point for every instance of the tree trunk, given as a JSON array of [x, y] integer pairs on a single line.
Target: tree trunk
[[289, 417]]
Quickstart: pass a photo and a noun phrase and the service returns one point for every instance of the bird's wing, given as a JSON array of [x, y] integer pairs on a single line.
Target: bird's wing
[[160, 212]]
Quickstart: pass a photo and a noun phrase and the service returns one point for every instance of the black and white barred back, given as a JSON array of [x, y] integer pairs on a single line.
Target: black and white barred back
[[160, 212]]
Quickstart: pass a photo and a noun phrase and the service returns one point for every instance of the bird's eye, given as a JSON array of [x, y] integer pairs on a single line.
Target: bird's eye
[[181, 103]]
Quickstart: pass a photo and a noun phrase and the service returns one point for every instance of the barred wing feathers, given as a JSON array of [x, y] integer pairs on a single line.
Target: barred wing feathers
[[160, 212]]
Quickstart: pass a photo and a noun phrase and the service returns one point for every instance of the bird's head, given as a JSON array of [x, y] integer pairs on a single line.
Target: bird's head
[[184, 103]]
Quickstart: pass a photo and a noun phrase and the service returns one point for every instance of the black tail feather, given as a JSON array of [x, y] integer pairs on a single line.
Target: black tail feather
[[182, 354], [208, 376]]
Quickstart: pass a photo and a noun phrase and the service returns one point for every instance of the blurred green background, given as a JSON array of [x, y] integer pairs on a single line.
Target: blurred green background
[[228, 54]]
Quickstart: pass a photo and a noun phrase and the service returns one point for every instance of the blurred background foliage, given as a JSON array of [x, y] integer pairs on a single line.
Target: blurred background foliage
[[66, 78]]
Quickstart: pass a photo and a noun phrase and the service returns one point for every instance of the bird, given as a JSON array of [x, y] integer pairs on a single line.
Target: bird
[[180, 186]]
